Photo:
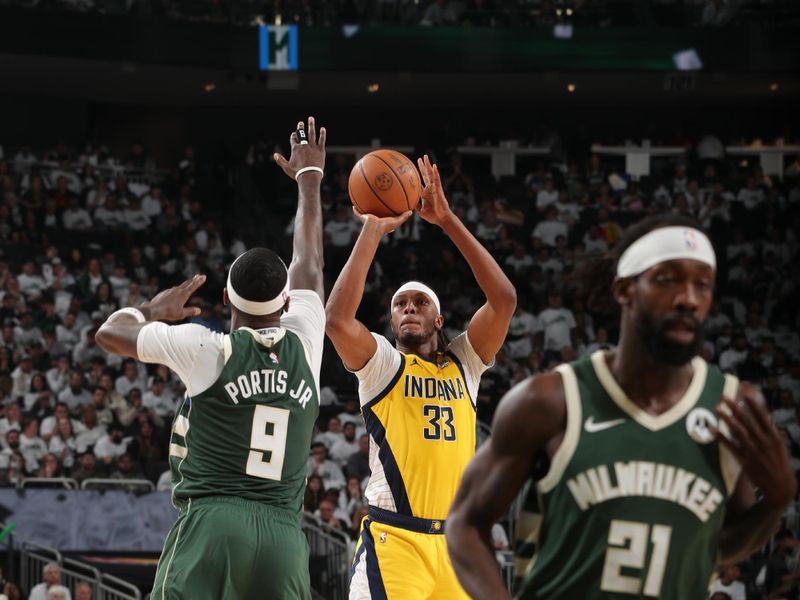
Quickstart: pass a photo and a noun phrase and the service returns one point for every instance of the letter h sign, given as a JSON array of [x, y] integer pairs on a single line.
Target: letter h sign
[[277, 47]]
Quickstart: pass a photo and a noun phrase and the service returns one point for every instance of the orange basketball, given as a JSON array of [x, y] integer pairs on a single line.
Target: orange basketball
[[384, 183]]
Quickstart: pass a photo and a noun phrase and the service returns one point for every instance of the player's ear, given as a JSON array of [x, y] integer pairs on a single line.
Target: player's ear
[[622, 289], [225, 299], [286, 306], [438, 322]]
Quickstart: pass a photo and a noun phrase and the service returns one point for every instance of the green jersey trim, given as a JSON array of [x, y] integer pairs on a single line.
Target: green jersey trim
[[731, 469], [651, 422], [181, 451], [572, 433]]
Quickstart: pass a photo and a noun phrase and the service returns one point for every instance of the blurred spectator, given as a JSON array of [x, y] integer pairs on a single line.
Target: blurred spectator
[[160, 399], [75, 395], [728, 582], [58, 376], [87, 468], [102, 411], [315, 491], [51, 574], [10, 449], [92, 429], [63, 444], [126, 468], [352, 498], [332, 435], [557, 326], [83, 591], [147, 449], [782, 573], [49, 424], [38, 398], [440, 12], [341, 451], [50, 467], [731, 358], [358, 463], [32, 447], [22, 375], [112, 445], [326, 516], [327, 470], [57, 592], [12, 420], [351, 413], [521, 332], [12, 591], [131, 378]]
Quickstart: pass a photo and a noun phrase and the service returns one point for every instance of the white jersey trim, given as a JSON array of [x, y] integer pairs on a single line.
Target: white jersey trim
[[382, 367]]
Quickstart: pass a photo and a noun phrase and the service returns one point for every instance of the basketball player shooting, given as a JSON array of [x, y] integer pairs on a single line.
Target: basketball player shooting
[[240, 440], [418, 402], [647, 487]]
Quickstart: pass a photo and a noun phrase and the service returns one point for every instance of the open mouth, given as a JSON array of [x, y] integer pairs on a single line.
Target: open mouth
[[681, 333]]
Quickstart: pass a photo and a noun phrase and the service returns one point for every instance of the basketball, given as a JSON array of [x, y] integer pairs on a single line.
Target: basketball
[[384, 183]]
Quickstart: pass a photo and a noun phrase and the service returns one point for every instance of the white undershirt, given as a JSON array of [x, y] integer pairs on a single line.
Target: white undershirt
[[197, 354]]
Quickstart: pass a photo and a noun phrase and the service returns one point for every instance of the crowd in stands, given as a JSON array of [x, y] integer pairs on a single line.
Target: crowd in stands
[[452, 13], [82, 234]]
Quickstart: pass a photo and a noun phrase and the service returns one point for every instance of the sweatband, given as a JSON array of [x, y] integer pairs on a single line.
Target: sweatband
[[252, 307], [663, 244], [307, 169], [416, 286]]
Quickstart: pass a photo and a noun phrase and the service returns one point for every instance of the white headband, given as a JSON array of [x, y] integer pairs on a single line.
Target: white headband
[[257, 308], [663, 244], [416, 286]]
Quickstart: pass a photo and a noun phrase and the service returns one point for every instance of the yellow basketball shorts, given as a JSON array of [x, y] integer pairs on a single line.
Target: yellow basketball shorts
[[402, 558]]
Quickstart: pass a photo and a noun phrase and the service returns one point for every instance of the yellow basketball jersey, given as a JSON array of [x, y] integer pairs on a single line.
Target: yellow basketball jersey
[[422, 430]]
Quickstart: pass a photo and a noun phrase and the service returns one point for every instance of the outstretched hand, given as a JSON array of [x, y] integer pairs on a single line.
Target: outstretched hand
[[757, 445], [170, 305], [311, 154], [382, 225], [434, 207]]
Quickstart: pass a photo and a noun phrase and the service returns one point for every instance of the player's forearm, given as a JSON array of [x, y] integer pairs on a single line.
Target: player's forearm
[[499, 291], [748, 533], [473, 560], [305, 271], [349, 287]]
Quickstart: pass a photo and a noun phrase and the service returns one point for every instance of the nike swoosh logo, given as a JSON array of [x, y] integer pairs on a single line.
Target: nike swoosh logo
[[592, 427]]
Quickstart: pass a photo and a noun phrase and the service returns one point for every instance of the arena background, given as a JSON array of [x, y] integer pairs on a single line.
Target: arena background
[[505, 96]]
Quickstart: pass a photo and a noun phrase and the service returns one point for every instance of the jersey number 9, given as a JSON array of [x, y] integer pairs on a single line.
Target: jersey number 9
[[259, 464]]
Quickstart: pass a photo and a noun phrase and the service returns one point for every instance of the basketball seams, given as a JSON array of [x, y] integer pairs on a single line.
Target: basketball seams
[[396, 176], [369, 185]]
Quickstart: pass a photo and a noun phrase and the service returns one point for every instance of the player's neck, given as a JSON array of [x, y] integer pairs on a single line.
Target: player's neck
[[255, 322], [426, 350], [654, 386]]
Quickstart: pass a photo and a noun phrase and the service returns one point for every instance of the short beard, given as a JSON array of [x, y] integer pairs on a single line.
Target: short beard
[[653, 336], [414, 340]]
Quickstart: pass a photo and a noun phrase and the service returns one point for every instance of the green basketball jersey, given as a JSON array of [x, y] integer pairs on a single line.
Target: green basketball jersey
[[633, 504], [249, 434]]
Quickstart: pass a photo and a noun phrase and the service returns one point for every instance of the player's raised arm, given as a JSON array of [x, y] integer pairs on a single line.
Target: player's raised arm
[[353, 341], [528, 417], [305, 165], [119, 334], [488, 328]]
